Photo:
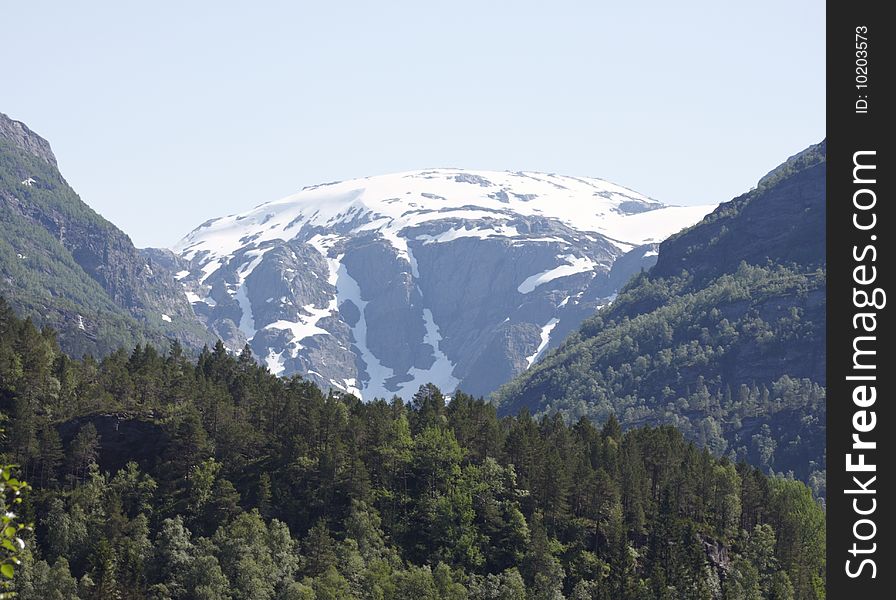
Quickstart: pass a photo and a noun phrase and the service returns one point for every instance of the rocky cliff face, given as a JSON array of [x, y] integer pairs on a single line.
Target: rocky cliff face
[[20, 137], [459, 278], [66, 266]]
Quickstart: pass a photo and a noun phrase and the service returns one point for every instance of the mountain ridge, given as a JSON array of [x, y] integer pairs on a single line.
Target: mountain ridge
[[65, 266], [724, 337], [22, 137]]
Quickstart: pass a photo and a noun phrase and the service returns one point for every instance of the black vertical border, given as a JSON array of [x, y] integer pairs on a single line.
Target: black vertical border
[[848, 132]]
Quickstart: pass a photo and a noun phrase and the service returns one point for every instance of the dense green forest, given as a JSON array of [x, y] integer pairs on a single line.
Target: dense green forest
[[157, 477], [724, 338]]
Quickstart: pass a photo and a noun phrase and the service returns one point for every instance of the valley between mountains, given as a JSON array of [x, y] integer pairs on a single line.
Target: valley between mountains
[[371, 286], [543, 292], [443, 383]]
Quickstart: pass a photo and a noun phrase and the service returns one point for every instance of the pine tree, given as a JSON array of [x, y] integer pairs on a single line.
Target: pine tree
[[49, 455], [83, 452]]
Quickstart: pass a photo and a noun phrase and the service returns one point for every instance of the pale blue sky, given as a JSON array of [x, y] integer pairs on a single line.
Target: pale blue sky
[[165, 114]]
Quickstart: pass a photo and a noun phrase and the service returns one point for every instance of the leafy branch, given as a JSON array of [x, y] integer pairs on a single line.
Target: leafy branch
[[11, 543]]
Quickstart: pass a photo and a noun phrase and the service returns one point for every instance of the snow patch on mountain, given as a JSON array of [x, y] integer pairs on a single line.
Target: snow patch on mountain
[[274, 362], [247, 319], [441, 373], [473, 232], [303, 329], [546, 330], [348, 290], [574, 265]]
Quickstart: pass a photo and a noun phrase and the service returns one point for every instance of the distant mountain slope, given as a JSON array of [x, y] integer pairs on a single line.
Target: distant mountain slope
[[65, 266], [457, 277], [724, 337]]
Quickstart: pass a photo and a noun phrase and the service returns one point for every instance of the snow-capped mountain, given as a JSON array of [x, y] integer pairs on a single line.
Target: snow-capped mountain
[[456, 277]]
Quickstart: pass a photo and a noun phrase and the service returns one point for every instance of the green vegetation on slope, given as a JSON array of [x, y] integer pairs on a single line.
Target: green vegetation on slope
[[42, 279]]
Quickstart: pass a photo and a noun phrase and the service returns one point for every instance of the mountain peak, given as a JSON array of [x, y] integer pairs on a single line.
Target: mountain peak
[[457, 277], [395, 202], [20, 136]]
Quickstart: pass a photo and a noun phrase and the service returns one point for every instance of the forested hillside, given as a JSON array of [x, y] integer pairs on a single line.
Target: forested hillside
[[159, 478], [724, 337]]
